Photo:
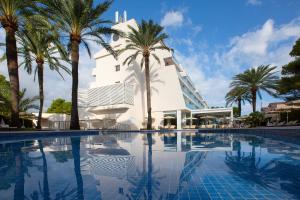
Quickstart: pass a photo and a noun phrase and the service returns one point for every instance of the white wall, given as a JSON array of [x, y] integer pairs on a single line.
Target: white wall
[[166, 94]]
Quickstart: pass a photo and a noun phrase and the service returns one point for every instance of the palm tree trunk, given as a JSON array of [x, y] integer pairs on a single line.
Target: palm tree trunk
[[75, 60], [41, 93], [148, 89], [239, 106], [12, 65], [253, 100]]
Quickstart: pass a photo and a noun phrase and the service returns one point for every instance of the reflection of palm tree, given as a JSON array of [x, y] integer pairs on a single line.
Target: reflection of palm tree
[[76, 156], [277, 173], [145, 185], [46, 192], [193, 160], [248, 166], [150, 167], [19, 185]]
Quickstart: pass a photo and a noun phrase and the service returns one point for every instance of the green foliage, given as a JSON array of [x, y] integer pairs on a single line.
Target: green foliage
[[25, 103], [296, 49], [255, 119], [60, 106], [4, 96], [289, 85], [41, 44], [255, 80], [144, 40], [81, 20], [238, 96]]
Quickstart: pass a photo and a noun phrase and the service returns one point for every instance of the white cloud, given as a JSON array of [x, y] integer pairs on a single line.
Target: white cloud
[[172, 19], [254, 2], [212, 69], [211, 87], [268, 44]]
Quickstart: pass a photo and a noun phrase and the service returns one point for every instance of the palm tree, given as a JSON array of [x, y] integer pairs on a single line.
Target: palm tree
[[144, 40], [41, 46], [80, 21], [13, 14], [237, 95], [27, 103], [255, 80]]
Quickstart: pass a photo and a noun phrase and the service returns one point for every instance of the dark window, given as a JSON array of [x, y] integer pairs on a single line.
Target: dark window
[[117, 82], [169, 61], [117, 68]]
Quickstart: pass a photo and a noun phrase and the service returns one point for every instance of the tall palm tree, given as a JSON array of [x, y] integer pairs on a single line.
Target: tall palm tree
[[41, 46], [12, 16], [144, 40], [237, 95], [255, 80], [81, 21]]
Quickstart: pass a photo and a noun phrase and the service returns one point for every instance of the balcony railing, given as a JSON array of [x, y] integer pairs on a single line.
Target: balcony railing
[[110, 95]]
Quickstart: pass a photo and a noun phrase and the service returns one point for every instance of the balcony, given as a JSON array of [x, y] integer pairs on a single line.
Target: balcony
[[114, 96]]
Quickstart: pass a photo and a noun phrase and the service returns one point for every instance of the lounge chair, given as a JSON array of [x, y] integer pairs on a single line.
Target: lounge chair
[[292, 123], [271, 124], [281, 123], [193, 126], [209, 126], [3, 125]]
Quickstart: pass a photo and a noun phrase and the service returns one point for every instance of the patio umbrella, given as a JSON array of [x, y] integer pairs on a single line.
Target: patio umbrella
[[208, 117]]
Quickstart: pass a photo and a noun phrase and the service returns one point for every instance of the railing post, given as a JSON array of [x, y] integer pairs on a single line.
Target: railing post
[[124, 93]]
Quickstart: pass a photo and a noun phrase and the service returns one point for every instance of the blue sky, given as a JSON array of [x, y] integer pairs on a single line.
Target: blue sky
[[213, 40]]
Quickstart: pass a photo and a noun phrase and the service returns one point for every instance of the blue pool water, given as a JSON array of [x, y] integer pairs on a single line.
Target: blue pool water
[[185, 165]]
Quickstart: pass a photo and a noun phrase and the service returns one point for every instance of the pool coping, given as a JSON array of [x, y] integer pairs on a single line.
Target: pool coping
[[15, 135]]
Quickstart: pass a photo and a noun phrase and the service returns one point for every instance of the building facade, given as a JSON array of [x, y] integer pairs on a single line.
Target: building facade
[[117, 95]]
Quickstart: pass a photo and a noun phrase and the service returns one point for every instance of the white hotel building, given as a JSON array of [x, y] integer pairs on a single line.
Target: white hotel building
[[117, 96]]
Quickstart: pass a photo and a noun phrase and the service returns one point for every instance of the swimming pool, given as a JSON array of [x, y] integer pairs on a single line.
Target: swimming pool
[[183, 165]]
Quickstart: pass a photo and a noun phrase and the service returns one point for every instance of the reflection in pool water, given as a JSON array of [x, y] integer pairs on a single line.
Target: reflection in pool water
[[150, 166]]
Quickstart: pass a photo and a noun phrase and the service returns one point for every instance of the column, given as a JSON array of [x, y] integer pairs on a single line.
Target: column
[[179, 121], [231, 117], [178, 134]]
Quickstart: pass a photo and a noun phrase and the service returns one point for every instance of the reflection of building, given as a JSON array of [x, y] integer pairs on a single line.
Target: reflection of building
[[118, 91], [197, 142], [110, 165]]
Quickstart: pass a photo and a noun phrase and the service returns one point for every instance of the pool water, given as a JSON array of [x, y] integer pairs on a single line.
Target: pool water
[[183, 165]]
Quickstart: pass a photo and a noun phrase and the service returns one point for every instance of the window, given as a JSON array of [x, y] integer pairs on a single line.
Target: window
[[117, 68], [117, 82], [169, 61]]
